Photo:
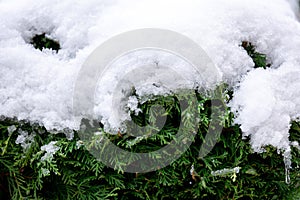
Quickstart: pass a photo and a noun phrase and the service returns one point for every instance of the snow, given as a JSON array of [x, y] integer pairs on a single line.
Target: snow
[[226, 171], [39, 85], [11, 129], [50, 149], [267, 101], [25, 139]]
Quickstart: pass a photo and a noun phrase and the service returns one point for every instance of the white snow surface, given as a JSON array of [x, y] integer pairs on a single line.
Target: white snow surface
[[38, 85]]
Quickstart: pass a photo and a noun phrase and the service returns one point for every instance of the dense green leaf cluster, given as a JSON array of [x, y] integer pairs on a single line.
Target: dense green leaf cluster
[[42, 41], [73, 173]]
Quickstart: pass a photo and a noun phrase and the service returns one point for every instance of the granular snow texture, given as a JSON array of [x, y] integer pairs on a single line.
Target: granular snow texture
[[38, 85]]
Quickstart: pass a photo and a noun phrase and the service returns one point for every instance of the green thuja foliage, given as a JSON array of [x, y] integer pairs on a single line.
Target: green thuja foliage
[[259, 59], [73, 173], [41, 41]]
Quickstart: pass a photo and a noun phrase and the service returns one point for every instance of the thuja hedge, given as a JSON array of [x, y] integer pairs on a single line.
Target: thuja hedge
[[73, 173]]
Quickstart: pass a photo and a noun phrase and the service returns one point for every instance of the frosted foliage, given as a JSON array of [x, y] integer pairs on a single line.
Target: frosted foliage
[[133, 105], [24, 139], [45, 172], [127, 69], [225, 171], [38, 85], [11, 129], [50, 149], [296, 145]]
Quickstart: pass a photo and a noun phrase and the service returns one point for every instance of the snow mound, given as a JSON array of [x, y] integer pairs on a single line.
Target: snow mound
[[38, 85]]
